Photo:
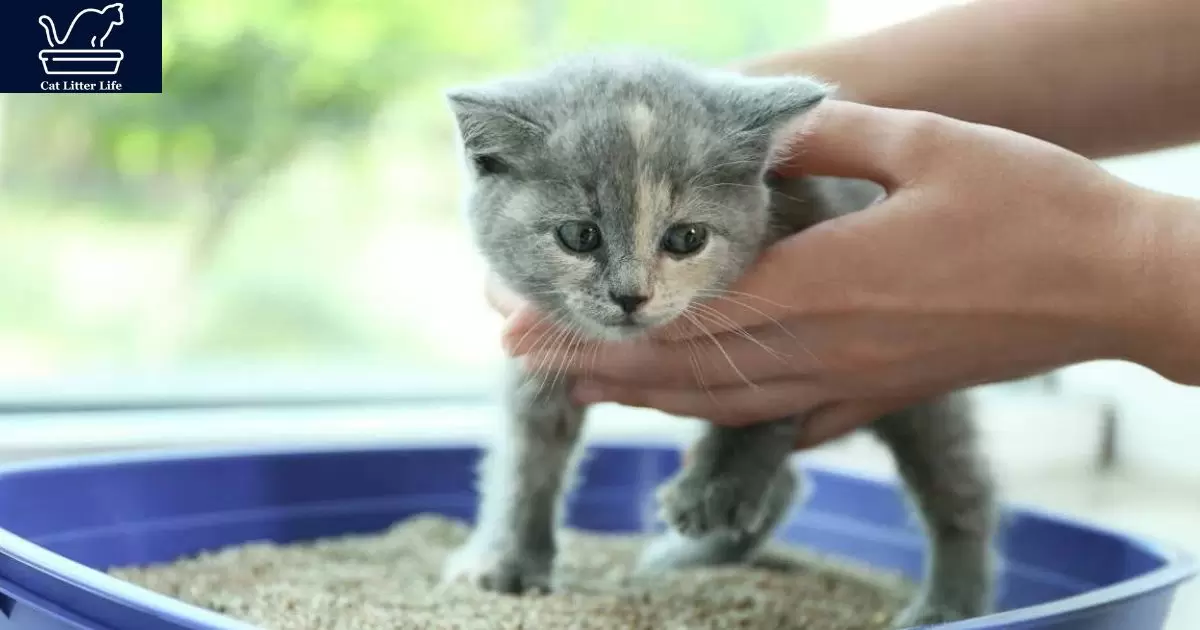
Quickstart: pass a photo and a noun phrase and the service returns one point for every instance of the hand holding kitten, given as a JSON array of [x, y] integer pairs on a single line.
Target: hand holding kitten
[[994, 256]]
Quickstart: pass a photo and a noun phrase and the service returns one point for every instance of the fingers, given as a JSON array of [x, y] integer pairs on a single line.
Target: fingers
[[835, 421], [845, 139], [752, 303], [523, 321], [500, 298], [731, 406], [729, 359], [529, 330], [524, 331]]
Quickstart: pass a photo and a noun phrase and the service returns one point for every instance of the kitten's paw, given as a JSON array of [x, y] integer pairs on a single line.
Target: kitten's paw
[[504, 572], [925, 613], [672, 551], [696, 504]]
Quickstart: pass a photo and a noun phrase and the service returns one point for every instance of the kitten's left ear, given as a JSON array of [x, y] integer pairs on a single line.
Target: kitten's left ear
[[764, 105], [760, 108]]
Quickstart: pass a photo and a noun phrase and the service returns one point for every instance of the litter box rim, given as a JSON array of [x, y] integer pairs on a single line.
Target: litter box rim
[[1178, 567]]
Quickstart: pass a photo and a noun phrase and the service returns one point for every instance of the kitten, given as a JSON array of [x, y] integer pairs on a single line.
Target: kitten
[[613, 191]]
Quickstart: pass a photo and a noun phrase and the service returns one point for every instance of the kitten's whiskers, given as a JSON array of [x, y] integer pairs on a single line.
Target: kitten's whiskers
[[717, 343], [719, 294], [694, 360], [551, 343], [713, 315], [566, 358]]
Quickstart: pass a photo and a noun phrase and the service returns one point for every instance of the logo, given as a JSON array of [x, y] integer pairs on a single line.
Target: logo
[[82, 46], [66, 54]]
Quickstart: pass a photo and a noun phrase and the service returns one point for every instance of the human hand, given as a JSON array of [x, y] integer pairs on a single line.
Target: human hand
[[994, 256]]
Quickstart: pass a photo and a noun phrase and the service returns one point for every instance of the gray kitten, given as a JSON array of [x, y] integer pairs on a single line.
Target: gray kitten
[[614, 191]]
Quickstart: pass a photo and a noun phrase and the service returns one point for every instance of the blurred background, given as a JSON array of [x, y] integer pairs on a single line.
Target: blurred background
[[291, 198], [272, 250]]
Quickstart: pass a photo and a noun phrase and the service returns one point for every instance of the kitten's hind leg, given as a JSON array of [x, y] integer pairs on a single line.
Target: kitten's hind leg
[[727, 499], [936, 455], [523, 478]]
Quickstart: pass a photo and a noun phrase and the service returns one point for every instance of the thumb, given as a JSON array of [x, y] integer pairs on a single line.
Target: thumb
[[844, 139], [502, 299]]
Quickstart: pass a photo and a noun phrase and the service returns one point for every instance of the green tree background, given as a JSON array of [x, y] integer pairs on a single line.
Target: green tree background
[[209, 207]]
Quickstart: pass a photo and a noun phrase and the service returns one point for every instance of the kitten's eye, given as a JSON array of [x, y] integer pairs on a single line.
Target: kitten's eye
[[579, 236], [685, 239], [489, 165]]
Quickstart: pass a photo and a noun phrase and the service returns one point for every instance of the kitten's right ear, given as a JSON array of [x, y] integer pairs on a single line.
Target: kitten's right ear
[[490, 121]]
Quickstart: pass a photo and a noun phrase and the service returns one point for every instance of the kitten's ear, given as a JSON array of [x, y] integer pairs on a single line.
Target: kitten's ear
[[761, 107], [490, 119], [764, 105]]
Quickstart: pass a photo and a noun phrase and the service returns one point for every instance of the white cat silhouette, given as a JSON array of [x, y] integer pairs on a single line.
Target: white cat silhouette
[[111, 15]]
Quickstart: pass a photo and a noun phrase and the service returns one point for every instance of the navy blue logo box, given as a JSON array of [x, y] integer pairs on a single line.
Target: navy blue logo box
[[81, 46]]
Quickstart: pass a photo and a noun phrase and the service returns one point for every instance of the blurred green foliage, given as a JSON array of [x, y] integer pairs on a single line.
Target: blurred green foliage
[[249, 86], [246, 83]]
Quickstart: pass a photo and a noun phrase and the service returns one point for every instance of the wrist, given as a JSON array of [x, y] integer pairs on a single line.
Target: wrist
[[1158, 296]]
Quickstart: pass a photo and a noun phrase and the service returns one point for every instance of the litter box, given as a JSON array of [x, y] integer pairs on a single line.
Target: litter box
[[65, 522], [63, 61]]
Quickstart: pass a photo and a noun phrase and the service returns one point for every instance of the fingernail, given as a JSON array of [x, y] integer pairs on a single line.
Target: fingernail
[[509, 337], [508, 344]]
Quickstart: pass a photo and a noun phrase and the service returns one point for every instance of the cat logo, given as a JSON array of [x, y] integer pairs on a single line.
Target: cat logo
[[80, 49]]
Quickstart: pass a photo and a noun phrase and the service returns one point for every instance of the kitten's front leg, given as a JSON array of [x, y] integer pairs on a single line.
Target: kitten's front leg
[[523, 477]]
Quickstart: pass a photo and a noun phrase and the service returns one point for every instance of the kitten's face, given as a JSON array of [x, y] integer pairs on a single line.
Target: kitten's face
[[612, 226], [614, 197]]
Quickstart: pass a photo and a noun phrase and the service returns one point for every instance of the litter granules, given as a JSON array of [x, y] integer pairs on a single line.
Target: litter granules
[[391, 581]]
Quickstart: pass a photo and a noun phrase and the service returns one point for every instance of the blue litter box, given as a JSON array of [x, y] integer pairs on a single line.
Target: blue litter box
[[65, 522]]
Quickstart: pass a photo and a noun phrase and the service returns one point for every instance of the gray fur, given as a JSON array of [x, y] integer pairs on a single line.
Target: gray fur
[[636, 143]]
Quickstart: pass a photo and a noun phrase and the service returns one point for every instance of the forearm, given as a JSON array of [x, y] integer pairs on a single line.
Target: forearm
[[1162, 301], [1099, 77]]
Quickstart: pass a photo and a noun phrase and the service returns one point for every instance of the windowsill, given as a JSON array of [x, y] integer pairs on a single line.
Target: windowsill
[[237, 388], [1068, 430]]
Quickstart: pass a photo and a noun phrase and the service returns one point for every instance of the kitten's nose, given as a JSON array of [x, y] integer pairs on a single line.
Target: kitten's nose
[[628, 302]]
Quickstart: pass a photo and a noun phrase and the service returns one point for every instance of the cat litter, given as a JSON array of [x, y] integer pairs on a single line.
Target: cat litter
[[391, 581]]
